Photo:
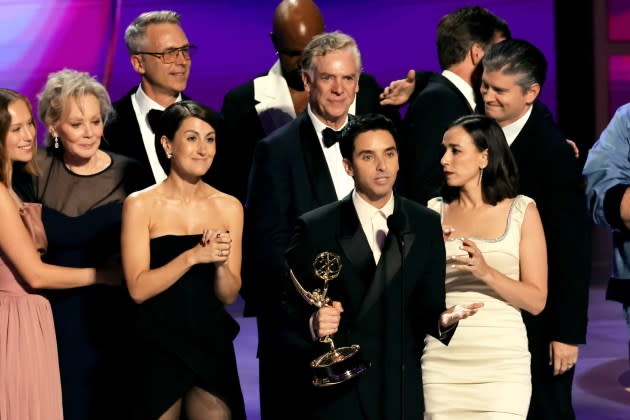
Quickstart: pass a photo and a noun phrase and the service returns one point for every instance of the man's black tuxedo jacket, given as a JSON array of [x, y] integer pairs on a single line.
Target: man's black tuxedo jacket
[[244, 129], [123, 136], [430, 113], [551, 175], [371, 298], [289, 177]]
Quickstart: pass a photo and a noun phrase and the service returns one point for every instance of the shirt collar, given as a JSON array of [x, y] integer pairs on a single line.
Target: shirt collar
[[365, 210], [512, 130], [145, 104], [462, 86]]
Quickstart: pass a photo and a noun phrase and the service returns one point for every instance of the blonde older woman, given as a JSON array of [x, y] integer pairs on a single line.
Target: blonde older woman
[[82, 189]]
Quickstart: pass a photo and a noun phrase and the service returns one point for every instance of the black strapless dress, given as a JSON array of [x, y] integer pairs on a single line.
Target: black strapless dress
[[184, 338]]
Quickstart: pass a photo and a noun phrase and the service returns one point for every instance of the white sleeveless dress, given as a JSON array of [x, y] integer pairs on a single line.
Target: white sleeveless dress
[[484, 372]]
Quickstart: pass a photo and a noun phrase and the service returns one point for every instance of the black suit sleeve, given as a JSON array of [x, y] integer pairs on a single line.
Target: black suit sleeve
[[568, 241], [242, 131], [430, 289], [267, 230]]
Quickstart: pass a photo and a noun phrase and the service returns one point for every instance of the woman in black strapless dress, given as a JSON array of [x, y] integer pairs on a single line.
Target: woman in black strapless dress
[[181, 249]]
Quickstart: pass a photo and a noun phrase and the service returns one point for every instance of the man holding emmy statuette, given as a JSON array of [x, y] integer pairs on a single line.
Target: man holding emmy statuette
[[373, 264]]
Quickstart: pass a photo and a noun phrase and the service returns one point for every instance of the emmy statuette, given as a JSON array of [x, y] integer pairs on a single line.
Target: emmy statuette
[[338, 364]]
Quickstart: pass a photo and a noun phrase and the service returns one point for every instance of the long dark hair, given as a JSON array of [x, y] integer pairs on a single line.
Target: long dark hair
[[500, 176]]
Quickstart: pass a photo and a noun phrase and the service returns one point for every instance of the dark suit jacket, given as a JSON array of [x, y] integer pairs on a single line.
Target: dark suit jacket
[[289, 177], [123, 136], [550, 174], [371, 298], [244, 128], [430, 113]]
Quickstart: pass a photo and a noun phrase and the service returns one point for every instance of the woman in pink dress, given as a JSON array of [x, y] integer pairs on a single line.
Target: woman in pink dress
[[29, 373]]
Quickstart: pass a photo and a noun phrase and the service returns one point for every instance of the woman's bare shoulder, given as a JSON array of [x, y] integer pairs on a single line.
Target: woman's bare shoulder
[[224, 200], [142, 198]]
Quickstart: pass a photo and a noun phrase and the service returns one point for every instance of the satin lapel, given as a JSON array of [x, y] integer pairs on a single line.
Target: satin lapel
[[315, 163], [356, 248], [389, 264], [274, 105]]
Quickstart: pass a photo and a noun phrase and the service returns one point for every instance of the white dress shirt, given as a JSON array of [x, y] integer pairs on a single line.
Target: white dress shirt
[[511, 131], [374, 222], [142, 104], [341, 180], [462, 86]]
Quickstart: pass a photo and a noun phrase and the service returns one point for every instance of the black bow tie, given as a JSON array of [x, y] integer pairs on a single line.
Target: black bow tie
[[330, 136], [153, 117]]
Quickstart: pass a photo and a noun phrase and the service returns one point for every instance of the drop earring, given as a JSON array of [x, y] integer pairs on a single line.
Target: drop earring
[[480, 175], [56, 142]]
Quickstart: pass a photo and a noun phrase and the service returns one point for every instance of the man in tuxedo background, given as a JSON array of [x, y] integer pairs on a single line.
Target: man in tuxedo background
[[294, 170], [388, 271], [513, 76], [259, 106], [160, 53], [463, 36]]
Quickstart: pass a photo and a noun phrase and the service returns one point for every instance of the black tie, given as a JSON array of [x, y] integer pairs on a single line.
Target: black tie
[[330, 136], [153, 117]]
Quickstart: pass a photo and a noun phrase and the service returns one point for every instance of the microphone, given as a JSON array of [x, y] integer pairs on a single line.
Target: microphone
[[397, 223]]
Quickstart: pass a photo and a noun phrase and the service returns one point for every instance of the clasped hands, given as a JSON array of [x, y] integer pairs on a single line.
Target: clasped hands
[[214, 246]]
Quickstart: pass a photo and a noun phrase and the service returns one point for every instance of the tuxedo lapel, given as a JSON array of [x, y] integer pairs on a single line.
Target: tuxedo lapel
[[389, 264], [356, 249], [315, 163], [274, 105]]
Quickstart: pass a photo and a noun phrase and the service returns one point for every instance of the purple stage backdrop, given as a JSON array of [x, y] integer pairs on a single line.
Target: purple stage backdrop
[[233, 37]]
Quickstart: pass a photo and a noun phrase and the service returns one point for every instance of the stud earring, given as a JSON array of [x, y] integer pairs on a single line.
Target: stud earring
[[169, 155]]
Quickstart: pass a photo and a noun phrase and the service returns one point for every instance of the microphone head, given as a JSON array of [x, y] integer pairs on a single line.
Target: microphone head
[[397, 222]]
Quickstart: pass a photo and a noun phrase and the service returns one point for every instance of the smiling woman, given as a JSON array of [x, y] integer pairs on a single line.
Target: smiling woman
[[181, 250], [82, 188]]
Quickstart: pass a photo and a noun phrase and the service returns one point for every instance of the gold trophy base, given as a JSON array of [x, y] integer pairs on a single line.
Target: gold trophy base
[[338, 366]]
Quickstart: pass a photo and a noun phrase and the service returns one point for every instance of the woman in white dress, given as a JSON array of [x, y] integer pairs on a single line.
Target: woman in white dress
[[496, 254]]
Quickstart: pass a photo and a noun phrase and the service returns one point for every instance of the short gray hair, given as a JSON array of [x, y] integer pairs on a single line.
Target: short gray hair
[[137, 30], [67, 84], [326, 43]]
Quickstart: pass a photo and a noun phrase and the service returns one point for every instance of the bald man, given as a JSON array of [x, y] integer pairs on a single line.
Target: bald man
[[258, 107]]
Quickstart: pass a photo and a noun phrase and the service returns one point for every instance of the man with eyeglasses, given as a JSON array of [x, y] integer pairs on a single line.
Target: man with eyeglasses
[[261, 105], [161, 54]]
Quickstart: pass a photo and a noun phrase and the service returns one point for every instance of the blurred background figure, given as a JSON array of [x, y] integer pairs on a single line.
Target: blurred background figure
[[607, 176]]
